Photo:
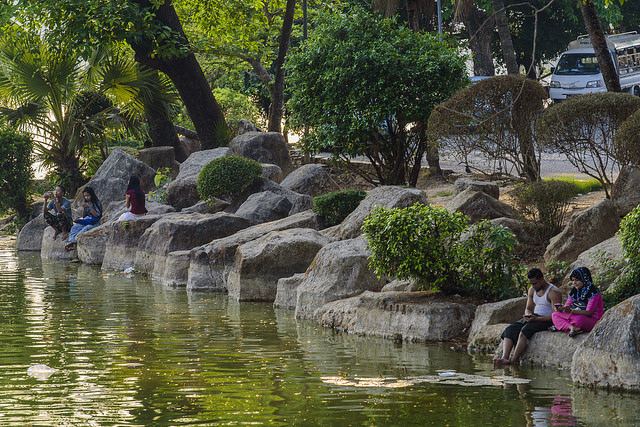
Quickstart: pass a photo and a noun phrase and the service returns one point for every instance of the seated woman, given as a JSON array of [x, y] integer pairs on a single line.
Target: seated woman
[[583, 307], [91, 216], [134, 199]]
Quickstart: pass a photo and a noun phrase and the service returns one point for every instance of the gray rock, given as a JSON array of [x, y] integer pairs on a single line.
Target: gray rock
[[210, 263], [553, 350], [259, 264], [286, 291], [182, 192], [401, 286], [311, 179], [299, 202], [489, 188], [502, 313], [626, 190], [610, 354], [605, 261], [159, 157], [385, 196], [92, 245], [407, 316], [176, 269], [478, 205], [245, 126], [340, 270], [584, 230], [264, 207], [188, 146], [265, 147], [517, 227], [30, 236], [112, 177], [123, 240], [54, 249], [178, 232], [210, 207], [272, 172]]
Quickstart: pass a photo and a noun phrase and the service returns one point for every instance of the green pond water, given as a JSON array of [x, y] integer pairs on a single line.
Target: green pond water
[[128, 351]]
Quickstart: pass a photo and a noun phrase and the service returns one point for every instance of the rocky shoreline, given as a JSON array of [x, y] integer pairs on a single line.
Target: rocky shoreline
[[267, 245]]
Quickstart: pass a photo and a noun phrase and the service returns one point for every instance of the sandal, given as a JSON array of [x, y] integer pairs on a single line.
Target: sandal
[[575, 332], [553, 329]]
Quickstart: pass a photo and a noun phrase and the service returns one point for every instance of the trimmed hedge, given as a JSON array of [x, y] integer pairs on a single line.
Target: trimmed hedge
[[334, 207], [226, 176]]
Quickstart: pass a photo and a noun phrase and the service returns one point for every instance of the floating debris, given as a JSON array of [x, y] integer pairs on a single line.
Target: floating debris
[[40, 372], [444, 377]]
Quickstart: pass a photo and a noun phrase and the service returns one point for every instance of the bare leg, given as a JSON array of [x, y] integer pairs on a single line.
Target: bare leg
[[65, 234], [520, 347], [507, 345], [56, 232]]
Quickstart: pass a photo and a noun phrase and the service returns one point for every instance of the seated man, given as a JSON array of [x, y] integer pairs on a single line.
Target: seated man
[[541, 298], [61, 219]]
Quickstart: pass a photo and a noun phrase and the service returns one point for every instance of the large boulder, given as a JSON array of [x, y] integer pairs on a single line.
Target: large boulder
[[112, 177], [311, 179], [178, 232], [209, 264], [123, 240], [30, 236], [387, 197], [517, 227], [399, 285], [626, 190], [478, 205], [489, 188], [554, 350], [176, 269], [265, 147], [54, 249], [182, 192], [264, 207], [605, 261], [408, 316], [159, 158], [286, 293], [188, 146], [299, 202], [259, 264], [584, 230], [610, 355], [92, 245], [340, 270], [210, 207], [272, 172], [490, 320]]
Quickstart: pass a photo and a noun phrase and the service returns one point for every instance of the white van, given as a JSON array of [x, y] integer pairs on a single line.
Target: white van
[[578, 72]]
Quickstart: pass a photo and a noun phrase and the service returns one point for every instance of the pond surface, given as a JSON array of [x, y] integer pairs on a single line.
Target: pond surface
[[128, 351]]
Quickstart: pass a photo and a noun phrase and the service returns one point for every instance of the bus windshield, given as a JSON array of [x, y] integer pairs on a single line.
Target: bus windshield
[[577, 63]]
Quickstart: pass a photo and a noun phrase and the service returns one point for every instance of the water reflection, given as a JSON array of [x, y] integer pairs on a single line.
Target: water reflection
[[128, 351]]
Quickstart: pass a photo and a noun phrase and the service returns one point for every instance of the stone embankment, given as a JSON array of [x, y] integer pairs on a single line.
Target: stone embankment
[[267, 245]]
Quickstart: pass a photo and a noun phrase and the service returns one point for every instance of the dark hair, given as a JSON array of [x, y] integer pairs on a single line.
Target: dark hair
[[134, 184], [62, 188], [94, 198], [535, 273]]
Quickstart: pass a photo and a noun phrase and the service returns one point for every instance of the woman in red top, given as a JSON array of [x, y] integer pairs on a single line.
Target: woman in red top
[[134, 199]]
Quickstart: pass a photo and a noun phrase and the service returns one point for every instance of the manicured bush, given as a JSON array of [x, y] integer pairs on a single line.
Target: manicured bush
[[583, 129], [492, 118], [226, 176], [15, 171], [334, 207], [426, 243], [627, 140], [545, 203]]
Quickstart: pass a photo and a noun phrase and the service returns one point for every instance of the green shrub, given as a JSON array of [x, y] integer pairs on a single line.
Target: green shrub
[[425, 243], [226, 176], [627, 140], [162, 179], [15, 171], [583, 186], [545, 203], [334, 207]]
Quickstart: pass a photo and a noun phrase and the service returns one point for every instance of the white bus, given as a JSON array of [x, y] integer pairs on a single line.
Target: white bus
[[578, 72]]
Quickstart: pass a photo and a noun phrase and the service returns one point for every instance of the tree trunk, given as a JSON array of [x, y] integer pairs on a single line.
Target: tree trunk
[[502, 25], [277, 94], [188, 78], [480, 27], [599, 43]]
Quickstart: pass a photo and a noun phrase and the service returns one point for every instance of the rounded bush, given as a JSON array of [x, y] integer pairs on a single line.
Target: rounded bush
[[226, 176], [334, 207], [627, 140]]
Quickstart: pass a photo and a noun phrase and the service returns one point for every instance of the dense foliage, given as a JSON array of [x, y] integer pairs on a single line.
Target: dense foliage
[[334, 207], [629, 282], [226, 176], [443, 252], [545, 203], [493, 118], [627, 140], [583, 129], [15, 171], [365, 86]]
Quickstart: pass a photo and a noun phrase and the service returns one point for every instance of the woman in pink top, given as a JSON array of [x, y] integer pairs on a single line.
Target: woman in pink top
[[583, 307], [134, 199]]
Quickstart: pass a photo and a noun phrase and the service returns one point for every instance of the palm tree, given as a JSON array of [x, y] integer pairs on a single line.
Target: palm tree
[[65, 103]]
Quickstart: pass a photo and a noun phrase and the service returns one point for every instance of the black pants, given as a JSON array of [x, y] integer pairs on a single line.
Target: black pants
[[528, 329], [59, 221]]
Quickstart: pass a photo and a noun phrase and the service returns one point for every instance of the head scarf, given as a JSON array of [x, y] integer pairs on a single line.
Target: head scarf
[[582, 296]]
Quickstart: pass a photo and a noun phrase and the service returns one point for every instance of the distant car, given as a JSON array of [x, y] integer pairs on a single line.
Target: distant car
[[476, 79]]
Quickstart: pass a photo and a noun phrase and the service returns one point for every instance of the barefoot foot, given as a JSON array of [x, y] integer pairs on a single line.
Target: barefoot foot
[[501, 361]]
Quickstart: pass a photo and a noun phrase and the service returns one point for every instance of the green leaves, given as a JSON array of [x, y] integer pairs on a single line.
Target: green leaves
[[15, 171], [334, 207], [226, 176]]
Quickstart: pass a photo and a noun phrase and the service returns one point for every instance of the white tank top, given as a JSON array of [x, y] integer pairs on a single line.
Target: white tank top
[[543, 306]]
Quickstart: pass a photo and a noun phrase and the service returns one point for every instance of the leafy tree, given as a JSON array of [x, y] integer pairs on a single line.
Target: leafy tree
[[583, 129], [15, 171], [362, 84]]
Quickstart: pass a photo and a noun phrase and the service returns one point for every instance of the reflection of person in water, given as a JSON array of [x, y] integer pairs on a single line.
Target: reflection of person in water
[[561, 412]]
